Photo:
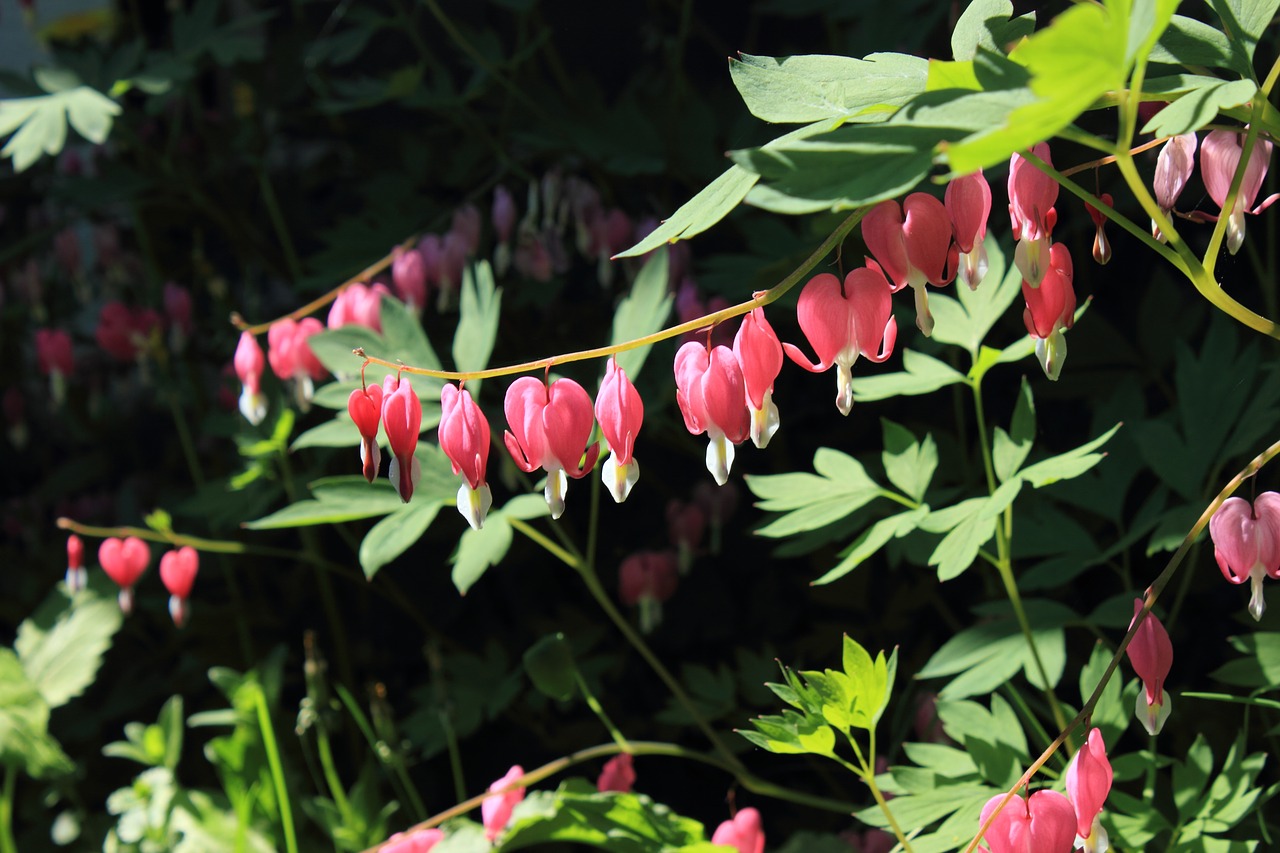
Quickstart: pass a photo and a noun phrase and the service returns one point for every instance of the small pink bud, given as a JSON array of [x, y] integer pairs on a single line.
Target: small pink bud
[[646, 579], [1151, 655], [1176, 161], [620, 412], [249, 364], [1088, 784], [1246, 543], [75, 564], [759, 354], [496, 810], [744, 832], [1101, 246], [618, 774], [1032, 194], [409, 275], [178, 573], [464, 438], [402, 421], [124, 561], [364, 405]]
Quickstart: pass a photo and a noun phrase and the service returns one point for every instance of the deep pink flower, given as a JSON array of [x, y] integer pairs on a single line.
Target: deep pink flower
[[842, 324], [125, 333], [744, 832], [464, 438], [409, 276], [550, 428], [1151, 655], [53, 352], [75, 563], [178, 573], [1050, 310], [420, 841], [968, 203], [1246, 543], [496, 810], [359, 304], [618, 774], [1044, 823], [913, 245], [364, 405], [1032, 194], [1219, 159], [712, 397], [1101, 246], [620, 412], [1088, 784], [645, 580], [291, 357], [759, 354], [249, 363], [124, 561], [402, 420], [1174, 165]]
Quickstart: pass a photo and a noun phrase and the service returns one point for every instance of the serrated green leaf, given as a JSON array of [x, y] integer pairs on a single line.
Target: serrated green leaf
[[480, 309], [986, 25], [922, 374], [395, 534], [61, 645], [800, 89], [642, 312]]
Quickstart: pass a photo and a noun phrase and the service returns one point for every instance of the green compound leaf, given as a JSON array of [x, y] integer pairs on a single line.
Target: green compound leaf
[[1197, 108], [908, 463], [642, 312], [479, 549], [993, 739], [803, 89], [61, 645], [1067, 465], [403, 338], [1244, 21], [922, 374], [986, 25], [39, 124], [810, 501], [967, 318], [971, 524], [1196, 44], [1010, 449], [872, 540]]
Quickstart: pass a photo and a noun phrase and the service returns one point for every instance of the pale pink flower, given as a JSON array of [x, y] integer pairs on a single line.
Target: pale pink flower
[[743, 832], [1246, 543], [496, 810]]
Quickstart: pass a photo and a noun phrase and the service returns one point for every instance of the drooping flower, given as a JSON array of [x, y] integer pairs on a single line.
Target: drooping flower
[[1219, 159], [711, 394], [1246, 543], [1088, 784], [1151, 655], [1176, 161], [759, 354], [1101, 246], [1042, 823], [291, 357], [968, 203], [76, 575], [178, 573], [364, 405], [646, 579], [620, 412], [464, 438], [409, 277], [913, 245], [1050, 310], [496, 810], [420, 841], [402, 420], [124, 561], [619, 774], [249, 364], [743, 832], [359, 304], [550, 428], [1032, 194], [842, 324]]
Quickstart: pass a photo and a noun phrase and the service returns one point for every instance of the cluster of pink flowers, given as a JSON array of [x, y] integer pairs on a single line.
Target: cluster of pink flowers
[[1246, 543], [126, 560], [1051, 822]]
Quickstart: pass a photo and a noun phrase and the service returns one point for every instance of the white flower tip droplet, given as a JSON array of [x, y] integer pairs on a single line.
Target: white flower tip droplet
[[619, 479], [719, 457], [764, 422], [474, 504], [844, 388], [253, 406], [556, 488], [1152, 717]]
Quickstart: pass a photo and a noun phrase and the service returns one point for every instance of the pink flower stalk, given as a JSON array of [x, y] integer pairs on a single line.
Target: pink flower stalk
[[360, 304], [1151, 655], [646, 579], [124, 333], [409, 277], [249, 363], [402, 421], [364, 405], [711, 392], [843, 323], [178, 573], [1246, 543], [550, 428], [618, 774], [496, 810], [759, 354], [76, 575], [1088, 784], [420, 841], [1032, 194], [744, 832], [1174, 165], [464, 438], [177, 314], [1219, 159], [913, 245], [124, 561], [1101, 246], [620, 412], [1050, 310], [56, 360], [968, 203], [1043, 823], [291, 357]]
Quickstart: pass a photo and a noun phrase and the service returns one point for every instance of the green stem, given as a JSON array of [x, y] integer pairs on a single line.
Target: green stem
[[7, 843], [391, 759], [277, 771], [331, 776], [594, 704], [537, 536]]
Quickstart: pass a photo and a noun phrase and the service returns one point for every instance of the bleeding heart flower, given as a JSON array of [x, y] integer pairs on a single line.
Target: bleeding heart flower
[[409, 276], [124, 561], [1032, 194], [968, 203], [364, 405], [1151, 655], [249, 364], [1101, 246], [1088, 784], [402, 421], [178, 573], [550, 428], [1219, 159], [291, 357], [1050, 310], [645, 580], [759, 354], [1044, 823], [76, 576], [420, 841], [1174, 165], [744, 832], [359, 304], [711, 394], [618, 775], [464, 438], [844, 324], [620, 412], [913, 245], [1246, 543], [496, 810]]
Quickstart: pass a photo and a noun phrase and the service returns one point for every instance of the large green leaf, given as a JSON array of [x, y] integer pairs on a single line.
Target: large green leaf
[[61, 645], [395, 534], [1244, 22], [403, 338], [479, 549], [642, 312], [40, 122], [1197, 108], [811, 88], [810, 501], [986, 25], [1196, 44], [24, 722]]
